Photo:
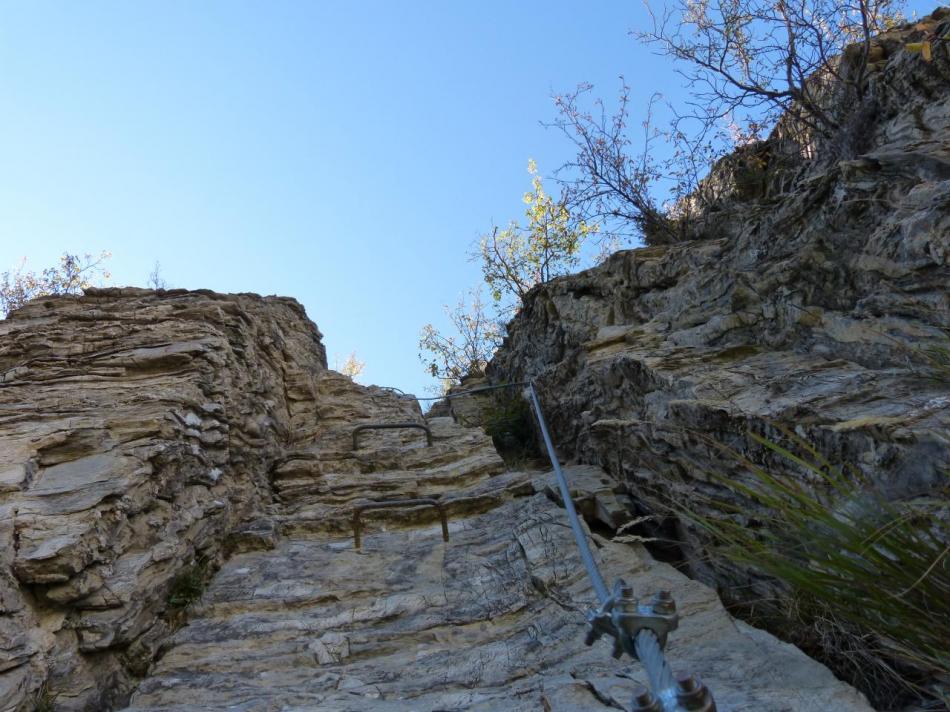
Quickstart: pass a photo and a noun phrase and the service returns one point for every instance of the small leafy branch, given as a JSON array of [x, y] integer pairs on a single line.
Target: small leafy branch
[[467, 352], [517, 258], [74, 274], [350, 367]]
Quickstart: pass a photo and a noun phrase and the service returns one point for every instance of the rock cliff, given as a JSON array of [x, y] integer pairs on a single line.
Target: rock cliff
[[178, 477], [819, 302], [180, 480], [138, 431]]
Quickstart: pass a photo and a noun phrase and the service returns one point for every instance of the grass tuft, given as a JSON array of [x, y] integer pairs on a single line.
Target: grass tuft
[[870, 577], [45, 699], [188, 586]]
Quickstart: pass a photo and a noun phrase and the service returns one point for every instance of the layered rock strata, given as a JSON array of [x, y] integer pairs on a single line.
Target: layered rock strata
[[137, 431], [178, 494], [818, 304], [490, 620]]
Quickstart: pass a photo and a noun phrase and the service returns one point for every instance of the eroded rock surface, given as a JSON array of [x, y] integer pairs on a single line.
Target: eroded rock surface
[[137, 430], [490, 620], [820, 303], [146, 432]]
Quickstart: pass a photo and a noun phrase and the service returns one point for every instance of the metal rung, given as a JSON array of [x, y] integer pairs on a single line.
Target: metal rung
[[392, 504], [392, 426]]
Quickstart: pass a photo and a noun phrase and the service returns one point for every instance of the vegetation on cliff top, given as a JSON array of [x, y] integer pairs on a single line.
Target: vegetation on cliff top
[[74, 274], [799, 68]]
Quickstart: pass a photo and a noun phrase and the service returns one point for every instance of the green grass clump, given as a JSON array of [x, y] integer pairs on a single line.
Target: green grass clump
[[871, 576], [508, 420], [938, 358], [45, 700], [188, 586]]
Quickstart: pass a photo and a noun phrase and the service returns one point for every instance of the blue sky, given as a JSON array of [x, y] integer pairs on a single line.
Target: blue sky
[[346, 154]]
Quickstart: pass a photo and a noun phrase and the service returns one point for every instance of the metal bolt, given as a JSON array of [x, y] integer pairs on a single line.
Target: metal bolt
[[645, 701], [693, 695], [663, 603], [686, 682], [626, 591]]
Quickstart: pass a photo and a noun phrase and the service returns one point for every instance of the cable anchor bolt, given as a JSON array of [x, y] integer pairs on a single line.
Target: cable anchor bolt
[[645, 701], [622, 616], [693, 695]]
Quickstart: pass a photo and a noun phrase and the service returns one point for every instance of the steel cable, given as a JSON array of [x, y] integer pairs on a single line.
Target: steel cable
[[603, 593], [645, 643], [658, 669]]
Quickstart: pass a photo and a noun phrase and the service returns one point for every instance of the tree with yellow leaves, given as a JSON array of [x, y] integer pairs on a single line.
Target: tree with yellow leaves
[[516, 258], [351, 367], [513, 260]]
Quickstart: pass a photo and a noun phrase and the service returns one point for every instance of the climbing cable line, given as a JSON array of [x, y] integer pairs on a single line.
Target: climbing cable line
[[637, 628]]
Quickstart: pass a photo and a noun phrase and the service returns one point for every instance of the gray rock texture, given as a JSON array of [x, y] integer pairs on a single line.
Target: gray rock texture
[[137, 431], [490, 620], [819, 304], [177, 535]]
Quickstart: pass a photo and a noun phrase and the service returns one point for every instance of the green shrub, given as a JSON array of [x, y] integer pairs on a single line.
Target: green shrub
[[188, 586], [45, 700], [870, 576], [508, 420]]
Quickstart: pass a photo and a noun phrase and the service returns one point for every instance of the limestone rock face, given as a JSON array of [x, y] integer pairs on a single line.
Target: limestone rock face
[[180, 490], [814, 305], [491, 619], [137, 430]]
